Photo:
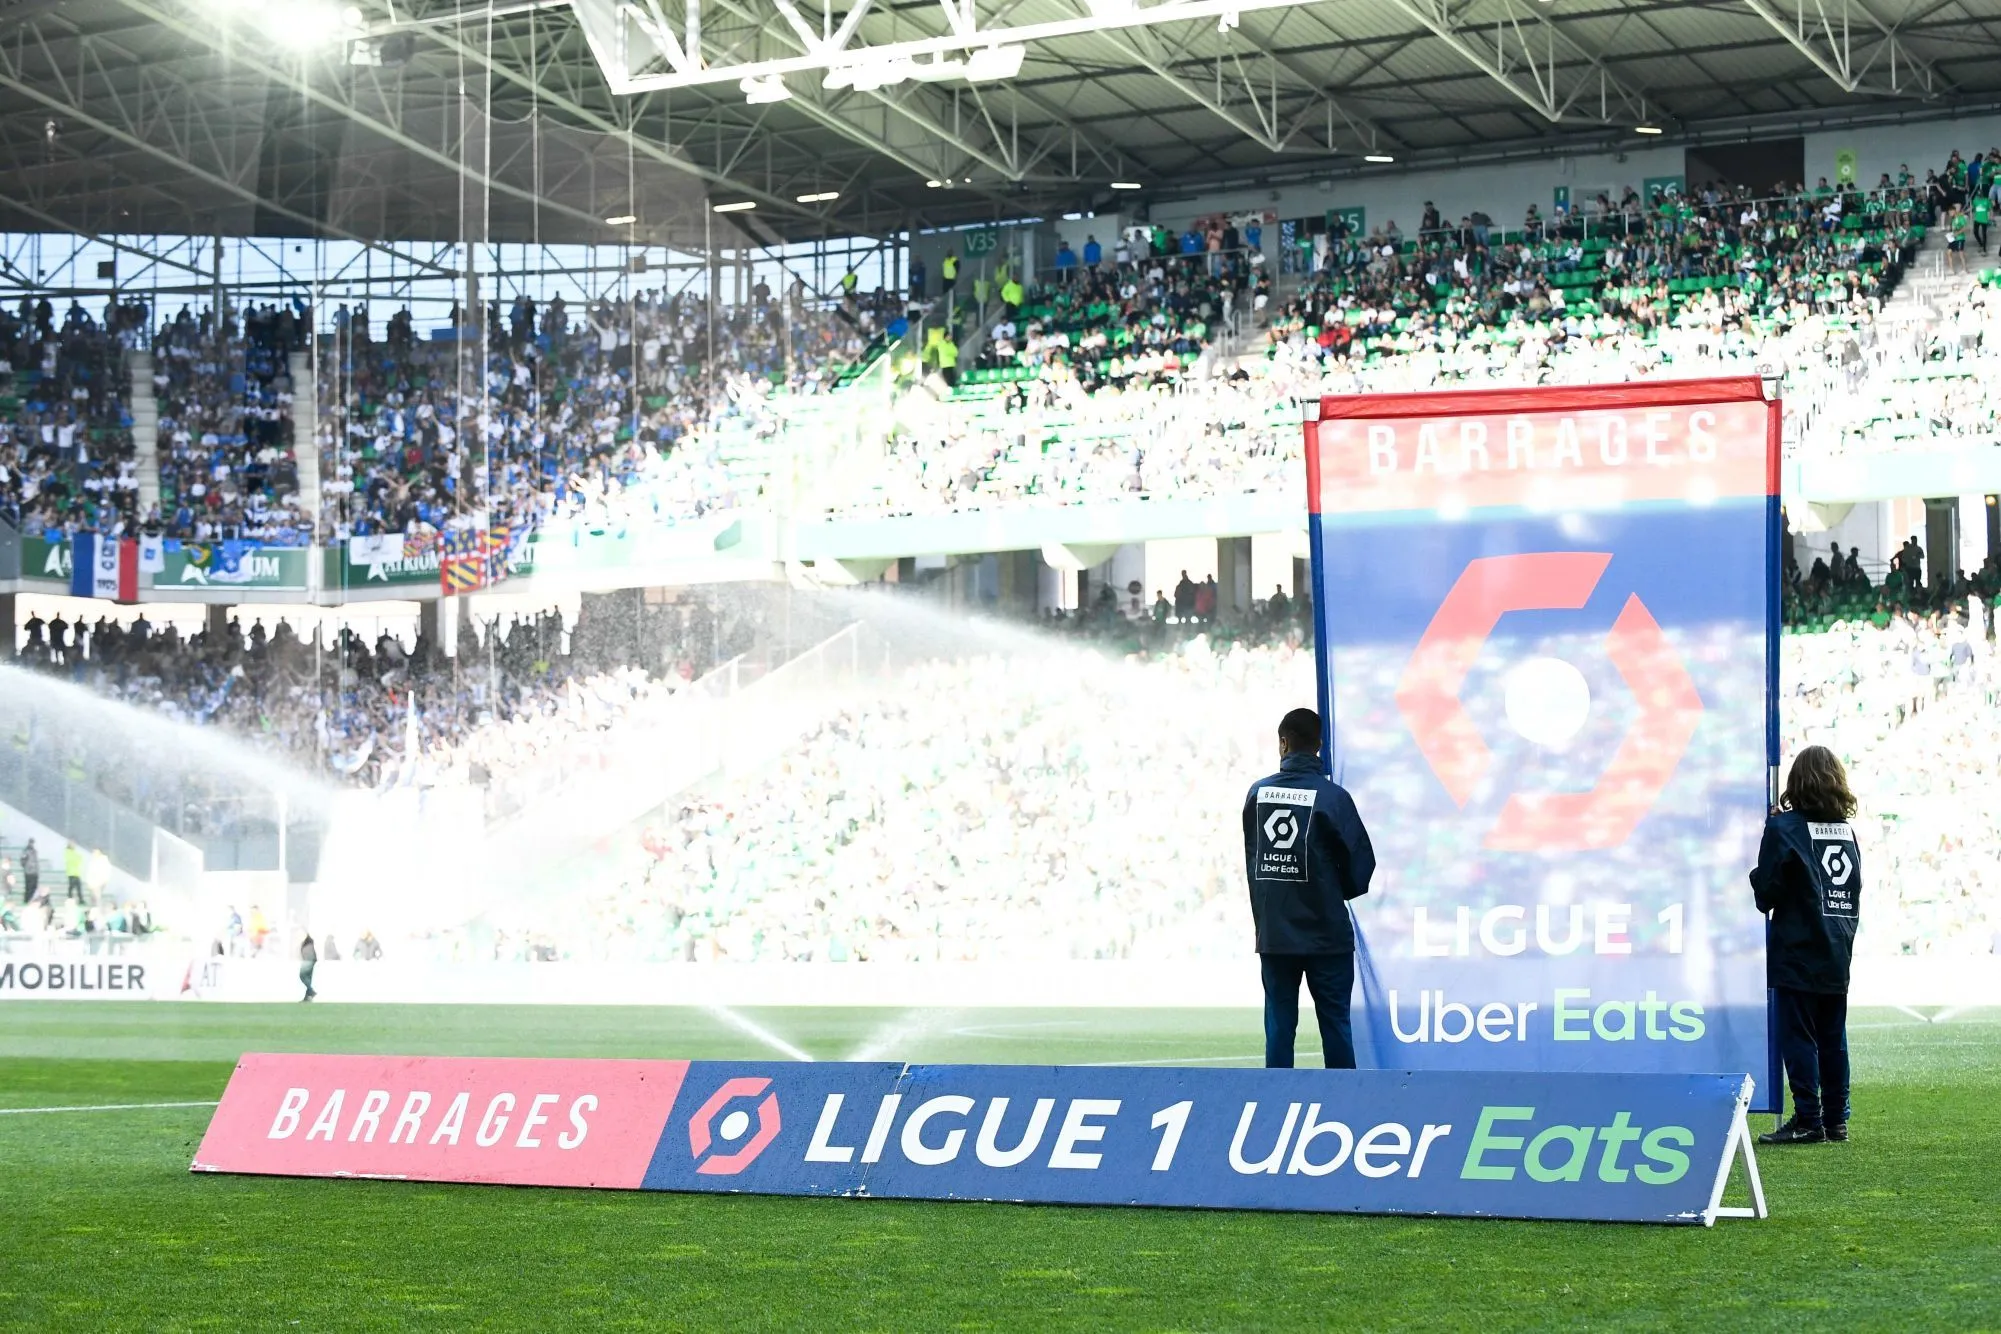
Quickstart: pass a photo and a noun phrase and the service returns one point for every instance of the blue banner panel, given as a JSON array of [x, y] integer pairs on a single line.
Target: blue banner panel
[[1551, 706], [1631, 1148]]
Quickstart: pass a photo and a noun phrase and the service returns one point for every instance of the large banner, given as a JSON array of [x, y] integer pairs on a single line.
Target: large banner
[[1636, 1148], [232, 565], [1548, 637]]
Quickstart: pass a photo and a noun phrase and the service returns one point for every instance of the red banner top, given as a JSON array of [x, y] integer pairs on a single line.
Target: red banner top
[[1693, 441]]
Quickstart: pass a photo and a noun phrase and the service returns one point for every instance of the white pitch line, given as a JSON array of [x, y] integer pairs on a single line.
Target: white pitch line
[[103, 1107]]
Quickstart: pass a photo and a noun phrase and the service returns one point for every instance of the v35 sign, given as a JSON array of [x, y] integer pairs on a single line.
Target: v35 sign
[[1547, 649]]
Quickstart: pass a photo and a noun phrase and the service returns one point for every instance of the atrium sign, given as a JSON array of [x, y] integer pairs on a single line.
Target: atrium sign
[[1644, 1148], [192, 565]]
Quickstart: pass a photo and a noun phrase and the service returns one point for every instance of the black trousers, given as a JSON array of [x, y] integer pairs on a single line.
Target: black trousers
[[1331, 979], [76, 887], [32, 881], [1813, 1043], [306, 976]]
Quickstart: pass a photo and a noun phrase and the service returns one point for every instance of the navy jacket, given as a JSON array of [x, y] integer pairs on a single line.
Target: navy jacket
[[1809, 878], [1305, 854]]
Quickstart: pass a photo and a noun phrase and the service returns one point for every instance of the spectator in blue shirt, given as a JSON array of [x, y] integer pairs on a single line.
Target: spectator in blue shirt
[[1066, 260], [1094, 254]]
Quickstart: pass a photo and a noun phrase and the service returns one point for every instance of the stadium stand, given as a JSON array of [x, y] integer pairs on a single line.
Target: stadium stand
[[379, 715], [1169, 326], [66, 455], [567, 435], [1166, 368], [875, 838], [228, 467]]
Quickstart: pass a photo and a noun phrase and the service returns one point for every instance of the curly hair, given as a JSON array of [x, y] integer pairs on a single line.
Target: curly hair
[[1817, 786]]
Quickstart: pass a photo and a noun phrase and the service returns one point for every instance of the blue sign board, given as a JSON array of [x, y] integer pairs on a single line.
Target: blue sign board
[[1548, 648], [1632, 1148]]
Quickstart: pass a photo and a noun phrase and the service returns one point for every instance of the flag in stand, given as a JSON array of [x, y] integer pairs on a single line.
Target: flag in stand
[[104, 567], [462, 560], [503, 541]]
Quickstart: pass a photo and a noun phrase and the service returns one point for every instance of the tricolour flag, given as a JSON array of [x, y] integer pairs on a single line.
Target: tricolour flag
[[104, 567]]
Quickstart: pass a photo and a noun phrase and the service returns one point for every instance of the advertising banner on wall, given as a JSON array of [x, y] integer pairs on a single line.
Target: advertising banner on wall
[[232, 565], [1547, 650], [45, 561], [180, 566], [1633, 1148], [411, 564]]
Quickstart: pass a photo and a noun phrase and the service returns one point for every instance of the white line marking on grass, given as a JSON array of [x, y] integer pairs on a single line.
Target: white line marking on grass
[[104, 1107], [745, 1024]]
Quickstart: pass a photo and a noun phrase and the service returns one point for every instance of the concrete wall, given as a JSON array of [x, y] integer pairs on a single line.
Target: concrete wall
[[1504, 190], [1883, 148]]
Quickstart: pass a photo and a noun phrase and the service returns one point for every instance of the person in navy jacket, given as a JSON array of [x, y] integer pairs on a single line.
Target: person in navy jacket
[[1306, 854], [1809, 878]]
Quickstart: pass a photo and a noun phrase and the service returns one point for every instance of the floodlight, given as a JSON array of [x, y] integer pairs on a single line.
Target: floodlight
[[763, 91], [994, 62], [820, 197], [740, 206], [1379, 158]]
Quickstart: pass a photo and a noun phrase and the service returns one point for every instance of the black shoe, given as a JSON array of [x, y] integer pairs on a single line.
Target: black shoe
[[1795, 1131], [1838, 1133]]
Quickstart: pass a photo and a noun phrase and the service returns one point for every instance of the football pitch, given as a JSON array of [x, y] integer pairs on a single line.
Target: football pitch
[[105, 1228]]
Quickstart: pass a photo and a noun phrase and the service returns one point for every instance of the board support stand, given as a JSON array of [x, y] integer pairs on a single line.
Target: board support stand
[[1738, 1145]]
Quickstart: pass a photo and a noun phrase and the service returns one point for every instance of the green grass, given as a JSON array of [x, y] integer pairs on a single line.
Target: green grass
[[103, 1227]]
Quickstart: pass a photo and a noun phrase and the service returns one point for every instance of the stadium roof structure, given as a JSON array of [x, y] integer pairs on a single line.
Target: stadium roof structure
[[609, 120]]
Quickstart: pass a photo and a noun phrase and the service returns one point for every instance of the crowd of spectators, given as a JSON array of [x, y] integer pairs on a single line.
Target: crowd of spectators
[[1123, 372], [1927, 384], [623, 410], [533, 696], [628, 409], [1720, 261], [1143, 314], [228, 462], [913, 826], [1911, 702], [1837, 586], [1068, 403], [1097, 820], [67, 461]]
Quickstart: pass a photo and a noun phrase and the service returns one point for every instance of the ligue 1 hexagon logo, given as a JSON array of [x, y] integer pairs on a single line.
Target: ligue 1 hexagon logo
[[1835, 861], [1669, 706], [704, 1129], [1281, 829]]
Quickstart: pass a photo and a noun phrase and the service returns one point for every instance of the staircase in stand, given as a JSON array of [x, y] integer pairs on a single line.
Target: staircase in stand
[[305, 433], [145, 430]]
